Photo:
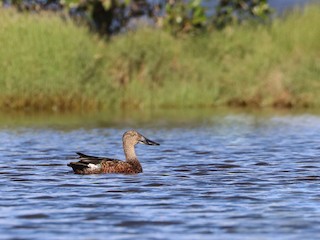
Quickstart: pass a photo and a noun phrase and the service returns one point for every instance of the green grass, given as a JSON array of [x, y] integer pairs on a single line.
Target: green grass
[[50, 64], [45, 63]]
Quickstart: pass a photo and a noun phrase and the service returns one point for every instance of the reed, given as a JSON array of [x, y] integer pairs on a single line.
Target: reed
[[47, 63]]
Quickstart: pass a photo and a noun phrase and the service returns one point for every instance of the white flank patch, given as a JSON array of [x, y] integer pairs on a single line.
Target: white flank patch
[[93, 166]]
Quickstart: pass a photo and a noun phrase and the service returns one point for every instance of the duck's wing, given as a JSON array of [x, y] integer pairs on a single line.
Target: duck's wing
[[91, 164], [92, 159]]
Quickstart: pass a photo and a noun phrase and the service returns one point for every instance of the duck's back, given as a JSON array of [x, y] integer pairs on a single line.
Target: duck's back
[[96, 165]]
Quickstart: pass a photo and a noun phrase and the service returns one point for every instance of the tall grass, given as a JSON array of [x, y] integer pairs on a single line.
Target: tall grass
[[48, 63]]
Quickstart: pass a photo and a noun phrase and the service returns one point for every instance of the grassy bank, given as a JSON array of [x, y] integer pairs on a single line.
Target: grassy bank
[[49, 64]]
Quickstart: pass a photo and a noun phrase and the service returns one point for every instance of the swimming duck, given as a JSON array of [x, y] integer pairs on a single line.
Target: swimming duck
[[96, 165]]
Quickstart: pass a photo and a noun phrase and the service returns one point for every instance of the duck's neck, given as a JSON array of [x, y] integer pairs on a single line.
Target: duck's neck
[[131, 156]]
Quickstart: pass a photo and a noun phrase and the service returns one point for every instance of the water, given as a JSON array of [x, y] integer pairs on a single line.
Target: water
[[227, 176], [278, 5], [283, 5]]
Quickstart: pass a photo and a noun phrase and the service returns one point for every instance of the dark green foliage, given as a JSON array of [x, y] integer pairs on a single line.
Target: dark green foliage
[[237, 11], [185, 17], [108, 17]]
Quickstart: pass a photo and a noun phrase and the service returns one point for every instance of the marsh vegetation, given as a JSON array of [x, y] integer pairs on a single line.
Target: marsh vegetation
[[51, 64]]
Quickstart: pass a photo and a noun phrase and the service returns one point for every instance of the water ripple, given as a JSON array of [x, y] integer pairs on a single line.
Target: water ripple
[[237, 178]]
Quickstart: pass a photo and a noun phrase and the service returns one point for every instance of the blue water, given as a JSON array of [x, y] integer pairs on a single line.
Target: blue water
[[236, 176], [278, 5], [282, 5]]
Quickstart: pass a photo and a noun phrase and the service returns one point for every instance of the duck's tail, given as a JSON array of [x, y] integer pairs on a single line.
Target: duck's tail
[[78, 167]]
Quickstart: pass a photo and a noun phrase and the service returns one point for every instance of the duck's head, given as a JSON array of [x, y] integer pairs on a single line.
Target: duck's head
[[133, 137]]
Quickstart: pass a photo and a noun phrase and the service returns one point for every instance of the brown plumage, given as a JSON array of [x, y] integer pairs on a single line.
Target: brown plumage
[[96, 165]]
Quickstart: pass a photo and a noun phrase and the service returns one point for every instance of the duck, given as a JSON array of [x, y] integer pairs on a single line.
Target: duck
[[99, 165]]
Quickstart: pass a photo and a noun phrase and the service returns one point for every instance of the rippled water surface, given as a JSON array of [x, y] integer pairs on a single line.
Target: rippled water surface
[[234, 176]]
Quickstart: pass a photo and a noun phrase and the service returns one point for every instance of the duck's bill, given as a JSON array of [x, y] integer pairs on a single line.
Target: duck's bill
[[148, 141]]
